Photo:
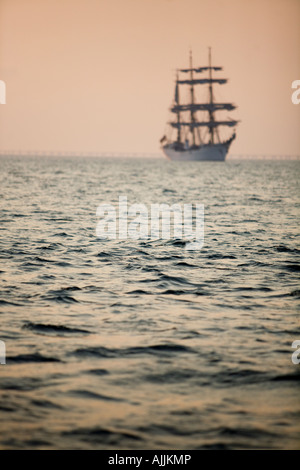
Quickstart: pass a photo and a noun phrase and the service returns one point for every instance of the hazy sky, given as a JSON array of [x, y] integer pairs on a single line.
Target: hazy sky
[[97, 75]]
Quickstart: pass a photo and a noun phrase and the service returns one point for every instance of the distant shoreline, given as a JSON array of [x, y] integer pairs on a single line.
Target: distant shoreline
[[138, 155]]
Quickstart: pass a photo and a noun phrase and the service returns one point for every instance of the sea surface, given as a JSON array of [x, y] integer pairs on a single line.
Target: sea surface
[[142, 344]]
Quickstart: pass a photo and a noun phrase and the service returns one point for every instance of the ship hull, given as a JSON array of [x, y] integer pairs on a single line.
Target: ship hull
[[204, 153]]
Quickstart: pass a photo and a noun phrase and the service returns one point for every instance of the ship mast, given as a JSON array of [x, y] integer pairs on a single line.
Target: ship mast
[[211, 113], [178, 112], [192, 99], [213, 130], [192, 108]]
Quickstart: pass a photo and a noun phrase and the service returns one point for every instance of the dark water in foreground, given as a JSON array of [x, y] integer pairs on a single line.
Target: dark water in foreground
[[142, 344]]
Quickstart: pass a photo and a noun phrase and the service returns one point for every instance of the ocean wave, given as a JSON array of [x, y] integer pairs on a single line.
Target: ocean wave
[[57, 330]]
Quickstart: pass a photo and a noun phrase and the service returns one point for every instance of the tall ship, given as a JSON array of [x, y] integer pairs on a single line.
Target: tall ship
[[197, 129]]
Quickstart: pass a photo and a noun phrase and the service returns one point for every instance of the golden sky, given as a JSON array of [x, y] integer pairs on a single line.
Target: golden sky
[[98, 75]]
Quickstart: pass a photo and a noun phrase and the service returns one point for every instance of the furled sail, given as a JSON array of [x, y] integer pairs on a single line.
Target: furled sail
[[201, 69], [203, 107], [210, 124], [202, 81]]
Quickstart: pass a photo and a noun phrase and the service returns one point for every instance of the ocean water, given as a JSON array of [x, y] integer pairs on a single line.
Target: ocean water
[[141, 344]]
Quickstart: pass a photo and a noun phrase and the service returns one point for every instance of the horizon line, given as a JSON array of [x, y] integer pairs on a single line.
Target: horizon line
[[129, 154]]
